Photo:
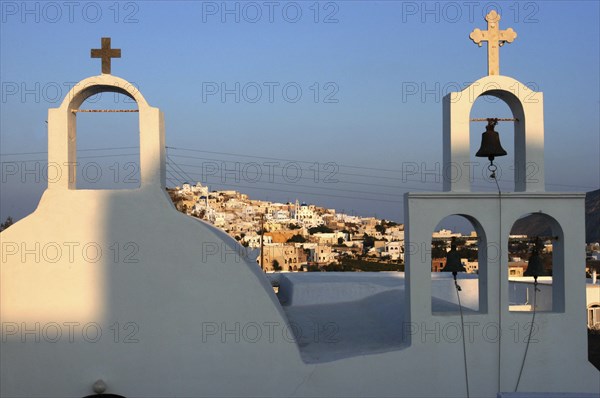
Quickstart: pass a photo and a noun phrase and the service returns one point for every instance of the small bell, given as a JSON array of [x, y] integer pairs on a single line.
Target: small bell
[[490, 142], [535, 267], [453, 263]]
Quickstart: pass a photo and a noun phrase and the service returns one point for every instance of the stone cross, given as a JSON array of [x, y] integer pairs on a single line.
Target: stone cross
[[106, 53], [495, 38]]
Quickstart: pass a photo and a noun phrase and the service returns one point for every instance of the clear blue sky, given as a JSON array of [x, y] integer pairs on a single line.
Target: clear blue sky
[[354, 62]]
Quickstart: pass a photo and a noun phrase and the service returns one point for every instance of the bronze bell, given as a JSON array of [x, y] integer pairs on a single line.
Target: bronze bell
[[535, 267], [453, 263], [490, 142]]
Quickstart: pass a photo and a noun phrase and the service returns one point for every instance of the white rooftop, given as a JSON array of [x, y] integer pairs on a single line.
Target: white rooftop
[[336, 315]]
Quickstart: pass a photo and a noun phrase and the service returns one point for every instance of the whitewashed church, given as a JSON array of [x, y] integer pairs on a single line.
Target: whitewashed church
[[190, 316]]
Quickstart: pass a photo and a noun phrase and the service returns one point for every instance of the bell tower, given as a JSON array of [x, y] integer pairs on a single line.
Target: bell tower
[[526, 106], [98, 263], [492, 215]]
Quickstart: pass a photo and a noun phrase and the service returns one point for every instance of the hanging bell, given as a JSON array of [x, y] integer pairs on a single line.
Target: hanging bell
[[490, 142], [535, 267], [453, 263]]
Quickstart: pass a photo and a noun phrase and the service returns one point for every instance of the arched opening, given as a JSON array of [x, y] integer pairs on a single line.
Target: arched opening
[[108, 143], [535, 264], [490, 106], [527, 153], [458, 238]]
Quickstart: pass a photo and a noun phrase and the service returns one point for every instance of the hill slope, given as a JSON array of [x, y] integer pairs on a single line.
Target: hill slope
[[534, 224], [592, 216]]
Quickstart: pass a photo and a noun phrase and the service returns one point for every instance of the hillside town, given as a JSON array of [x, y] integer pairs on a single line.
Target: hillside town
[[305, 237], [296, 236]]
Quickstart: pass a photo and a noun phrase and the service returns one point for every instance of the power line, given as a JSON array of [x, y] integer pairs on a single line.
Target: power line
[[184, 178], [346, 174], [342, 165], [174, 178], [329, 188], [78, 158], [179, 175], [79, 150], [325, 183], [184, 173], [402, 179], [279, 159], [368, 176]]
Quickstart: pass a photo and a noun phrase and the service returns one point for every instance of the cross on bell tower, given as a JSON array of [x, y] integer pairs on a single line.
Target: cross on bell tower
[[106, 53], [495, 38]]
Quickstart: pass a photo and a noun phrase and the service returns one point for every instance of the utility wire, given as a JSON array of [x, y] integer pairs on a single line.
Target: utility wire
[[79, 150], [313, 193], [180, 169], [492, 169], [340, 165], [535, 290], [464, 344], [324, 182], [78, 158], [179, 175], [328, 187], [404, 179]]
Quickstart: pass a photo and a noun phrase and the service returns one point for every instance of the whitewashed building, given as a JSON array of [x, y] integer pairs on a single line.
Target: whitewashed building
[[182, 311]]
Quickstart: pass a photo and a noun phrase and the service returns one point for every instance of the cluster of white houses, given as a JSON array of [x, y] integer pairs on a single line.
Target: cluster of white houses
[[287, 242]]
